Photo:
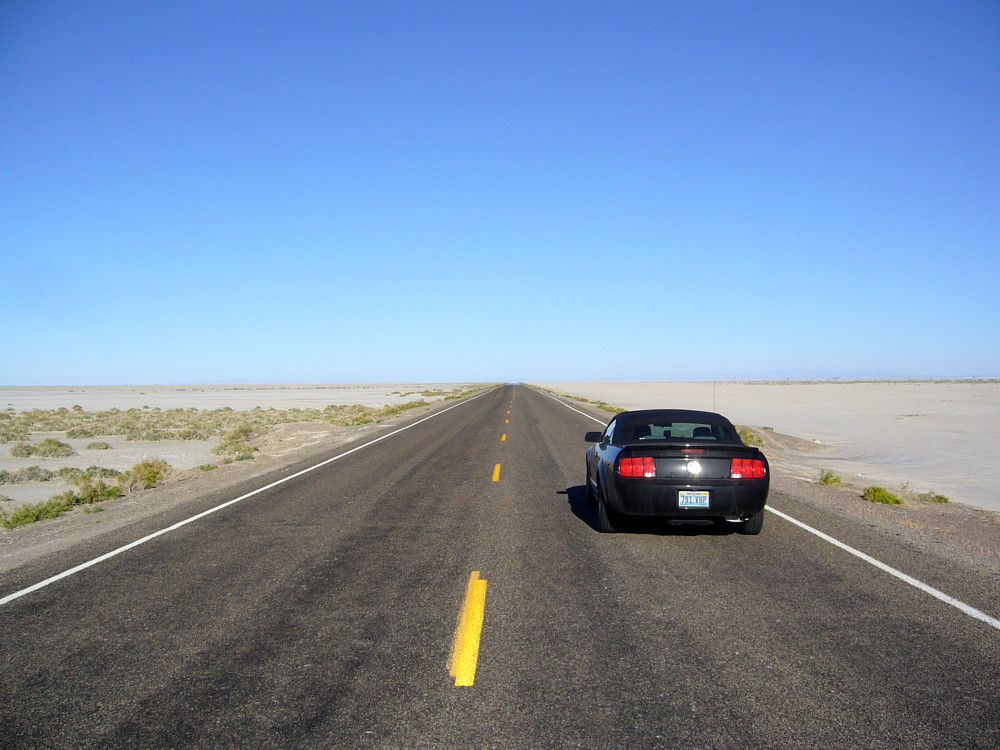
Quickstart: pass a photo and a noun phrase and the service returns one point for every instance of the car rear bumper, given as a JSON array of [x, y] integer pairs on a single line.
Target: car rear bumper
[[654, 499]]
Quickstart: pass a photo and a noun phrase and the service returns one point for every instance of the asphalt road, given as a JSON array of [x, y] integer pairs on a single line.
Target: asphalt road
[[321, 613]]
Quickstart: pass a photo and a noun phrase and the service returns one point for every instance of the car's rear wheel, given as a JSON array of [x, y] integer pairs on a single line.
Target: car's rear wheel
[[754, 524], [607, 523]]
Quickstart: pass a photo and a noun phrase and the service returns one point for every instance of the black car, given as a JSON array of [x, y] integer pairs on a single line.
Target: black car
[[675, 464]]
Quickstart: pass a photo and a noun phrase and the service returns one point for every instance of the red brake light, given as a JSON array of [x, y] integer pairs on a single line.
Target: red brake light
[[747, 468], [637, 466]]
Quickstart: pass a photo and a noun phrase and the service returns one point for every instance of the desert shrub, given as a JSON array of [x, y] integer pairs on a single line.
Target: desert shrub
[[27, 474], [881, 495], [100, 445], [31, 512], [80, 432], [11, 433], [193, 433], [76, 476], [397, 408], [95, 492], [208, 467], [830, 478], [750, 437], [191, 423], [149, 434], [71, 474], [102, 473], [52, 448], [602, 405], [145, 474], [235, 442], [87, 493], [21, 450], [933, 497]]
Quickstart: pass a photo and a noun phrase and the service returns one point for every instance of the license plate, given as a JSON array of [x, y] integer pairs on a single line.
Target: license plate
[[692, 499]]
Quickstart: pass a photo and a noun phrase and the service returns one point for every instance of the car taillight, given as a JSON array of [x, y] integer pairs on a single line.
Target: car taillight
[[637, 466], [747, 468]]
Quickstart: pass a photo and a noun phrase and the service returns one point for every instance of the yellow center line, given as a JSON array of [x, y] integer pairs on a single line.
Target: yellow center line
[[496, 473], [506, 421], [465, 647], [503, 438]]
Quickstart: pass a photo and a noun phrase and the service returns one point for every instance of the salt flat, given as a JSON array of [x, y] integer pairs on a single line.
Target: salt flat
[[279, 396], [935, 435], [181, 454], [941, 436]]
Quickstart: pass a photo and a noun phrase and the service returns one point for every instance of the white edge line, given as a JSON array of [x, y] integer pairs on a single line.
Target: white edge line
[[558, 400], [186, 521], [960, 605]]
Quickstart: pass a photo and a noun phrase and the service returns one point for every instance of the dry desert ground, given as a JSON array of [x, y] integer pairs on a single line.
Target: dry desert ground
[[940, 436], [935, 436], [186, 454]]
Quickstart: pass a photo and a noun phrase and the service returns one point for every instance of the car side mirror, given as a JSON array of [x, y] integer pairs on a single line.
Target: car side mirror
[[592, 437]]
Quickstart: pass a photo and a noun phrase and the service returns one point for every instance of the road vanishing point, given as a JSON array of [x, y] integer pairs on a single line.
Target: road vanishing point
[[343, 603]]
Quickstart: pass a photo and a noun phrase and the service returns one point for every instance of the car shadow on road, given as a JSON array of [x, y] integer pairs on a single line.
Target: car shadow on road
[[576, 498]]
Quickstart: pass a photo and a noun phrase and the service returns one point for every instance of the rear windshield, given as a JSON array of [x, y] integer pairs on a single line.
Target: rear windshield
[[685, 431]]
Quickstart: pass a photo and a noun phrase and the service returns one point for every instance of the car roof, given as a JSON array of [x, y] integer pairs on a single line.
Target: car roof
[[671, 415]]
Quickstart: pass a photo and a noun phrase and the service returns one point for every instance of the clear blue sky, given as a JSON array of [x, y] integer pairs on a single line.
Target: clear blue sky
[[405, 191]]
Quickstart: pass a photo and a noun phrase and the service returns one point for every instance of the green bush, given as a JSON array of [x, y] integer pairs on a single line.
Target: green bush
[[881, 495], [71, 474], [830, 478], [76, 476], [933, 497], [750, 437], [47, 448], [100, 445], [208, 467], [31, 512], [94, 492], [193, 433], [21, 450], [145, 474], [235, 443], [10, 433], [52, 448], [27, 474]]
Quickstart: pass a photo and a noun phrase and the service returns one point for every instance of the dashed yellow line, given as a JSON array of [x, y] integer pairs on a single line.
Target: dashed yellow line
[[496, 473], [503, 438], [465, 647], [506, 421]]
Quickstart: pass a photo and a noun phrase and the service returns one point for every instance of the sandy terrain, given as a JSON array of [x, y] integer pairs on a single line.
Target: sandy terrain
[[941, 436], [278, 448], [306, 396], [181, 454], [955, 532]]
